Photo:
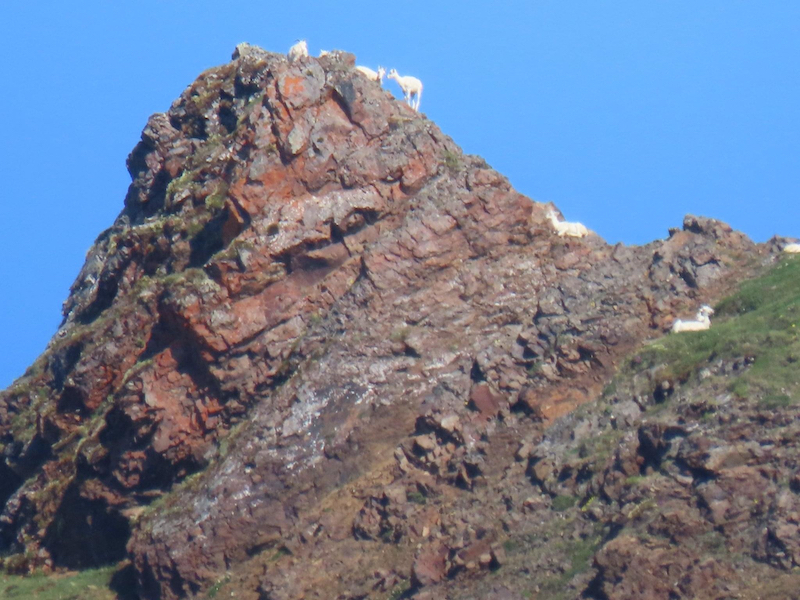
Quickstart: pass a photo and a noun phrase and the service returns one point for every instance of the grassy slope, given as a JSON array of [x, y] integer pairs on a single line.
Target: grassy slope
[[760, 322], [86, 585]]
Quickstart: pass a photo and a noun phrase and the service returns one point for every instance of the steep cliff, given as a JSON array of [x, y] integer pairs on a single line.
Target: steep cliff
[[317, 349]]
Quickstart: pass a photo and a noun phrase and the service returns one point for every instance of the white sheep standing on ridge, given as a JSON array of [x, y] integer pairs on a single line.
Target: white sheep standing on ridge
[[411, 86], [373, 75], [570, 229], [298, 51], [792, 248], [701, 323]]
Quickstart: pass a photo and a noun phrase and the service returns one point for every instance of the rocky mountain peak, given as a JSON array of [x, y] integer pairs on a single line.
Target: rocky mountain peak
[[242, 140], [313, 308]]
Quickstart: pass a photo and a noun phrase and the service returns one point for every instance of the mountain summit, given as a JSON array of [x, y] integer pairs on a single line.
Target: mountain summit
[[319, 352]]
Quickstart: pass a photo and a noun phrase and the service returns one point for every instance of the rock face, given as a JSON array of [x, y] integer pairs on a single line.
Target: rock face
[[320, 334]]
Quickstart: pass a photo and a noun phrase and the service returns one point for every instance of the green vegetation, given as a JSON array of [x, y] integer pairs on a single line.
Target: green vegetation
[[534, 369], [279, 554], [641, 508], [170, 501], [235, 249], [214, 589], [195, 227], [204, 153], [84, 585], [562, 503], [399, 591], [610, 389], [634, 480], [579, 554], [451, 160], [249, 108], [417, 498], [153, 228], [599, 448], [588, 504], [183, 181], [135, 370], [775, 401], [216, 200], [202, 96], [760, 322], [23, 423]]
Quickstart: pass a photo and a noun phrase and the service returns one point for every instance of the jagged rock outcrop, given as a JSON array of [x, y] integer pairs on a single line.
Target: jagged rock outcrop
[[316, 329]]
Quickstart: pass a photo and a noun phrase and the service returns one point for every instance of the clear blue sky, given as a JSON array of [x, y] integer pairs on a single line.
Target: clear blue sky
[[625, 113]]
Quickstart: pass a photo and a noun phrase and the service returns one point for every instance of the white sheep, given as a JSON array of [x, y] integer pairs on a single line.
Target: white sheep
[[411, 86], [298, 51], [373, 75], [793, 248], [567, 228], [701, 323]]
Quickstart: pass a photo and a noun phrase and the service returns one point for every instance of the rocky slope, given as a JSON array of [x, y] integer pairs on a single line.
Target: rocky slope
[[319, 353]]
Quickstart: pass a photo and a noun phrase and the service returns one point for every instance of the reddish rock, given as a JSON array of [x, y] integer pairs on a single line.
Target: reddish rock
[[430, 565], [306, 277], [485, 401], [630, 568]]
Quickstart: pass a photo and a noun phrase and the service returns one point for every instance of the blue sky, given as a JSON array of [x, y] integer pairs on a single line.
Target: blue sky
[[627, 114]]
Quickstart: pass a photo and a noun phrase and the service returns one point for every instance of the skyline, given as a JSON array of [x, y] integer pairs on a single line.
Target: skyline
[[626, 116]]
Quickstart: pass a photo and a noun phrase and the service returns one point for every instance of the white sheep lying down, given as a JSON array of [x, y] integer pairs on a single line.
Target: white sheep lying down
[[701, 323], [793, 248], [373, 75], [570, 229]]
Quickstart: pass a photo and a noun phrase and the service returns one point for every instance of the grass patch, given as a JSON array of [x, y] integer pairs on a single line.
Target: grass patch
[[417, 498], [399, 591], [91, 584], [610, 389], [562, 503], [760, 321], [195, 227], [579, 554], [634, 480], [23, 423], [179, 183], [170, 501], [279, 554], [214, 589], [773, 401], [739, 388], [451, 160], [216, 201], [534, 369], [641, 508], [599, 448]]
